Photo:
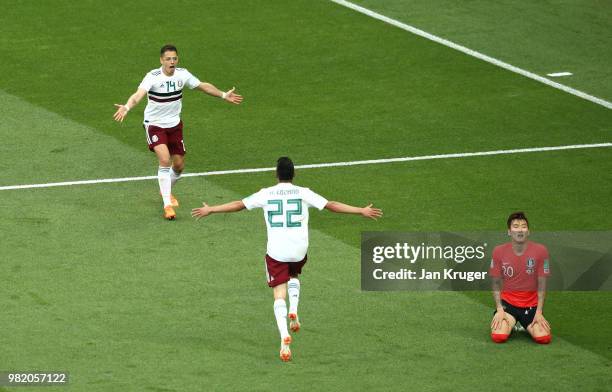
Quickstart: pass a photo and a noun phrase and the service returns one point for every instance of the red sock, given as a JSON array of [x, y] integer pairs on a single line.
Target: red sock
[[499, 337], [543, 339]]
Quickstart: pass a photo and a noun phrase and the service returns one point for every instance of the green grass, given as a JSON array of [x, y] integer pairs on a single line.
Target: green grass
[[86, 287], [541, 37]]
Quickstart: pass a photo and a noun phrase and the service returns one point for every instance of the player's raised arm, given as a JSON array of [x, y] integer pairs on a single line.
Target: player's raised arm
[[133, 100], [367, 211], [206, 210], [229, 96]]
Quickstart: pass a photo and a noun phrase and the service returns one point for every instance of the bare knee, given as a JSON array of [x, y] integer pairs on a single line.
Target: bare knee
[[178, 167], [178, 163], [280, 291], [505, 327], [539, 334]]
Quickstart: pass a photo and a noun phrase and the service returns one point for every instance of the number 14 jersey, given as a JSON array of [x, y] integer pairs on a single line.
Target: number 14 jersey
[[165, 96]]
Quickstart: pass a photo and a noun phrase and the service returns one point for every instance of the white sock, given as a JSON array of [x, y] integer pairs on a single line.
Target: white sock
[[293, 289], [280, 312], [165, 184], [174, 176]]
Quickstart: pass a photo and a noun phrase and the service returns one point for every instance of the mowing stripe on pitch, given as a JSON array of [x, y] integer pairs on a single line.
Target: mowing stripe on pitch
[[319, 165], [473, 53]]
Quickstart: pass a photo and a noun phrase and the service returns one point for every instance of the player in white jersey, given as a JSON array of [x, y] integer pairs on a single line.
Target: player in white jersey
[[285, 208], [162, 118]]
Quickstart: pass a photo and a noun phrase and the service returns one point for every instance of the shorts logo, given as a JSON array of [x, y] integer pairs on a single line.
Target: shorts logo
[[154, 138]]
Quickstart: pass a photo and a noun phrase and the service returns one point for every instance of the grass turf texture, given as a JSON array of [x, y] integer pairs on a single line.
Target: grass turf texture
[[87, 289], [542, 37]]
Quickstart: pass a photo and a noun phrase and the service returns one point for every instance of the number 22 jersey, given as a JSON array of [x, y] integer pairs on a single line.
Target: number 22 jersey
[[286, 214]]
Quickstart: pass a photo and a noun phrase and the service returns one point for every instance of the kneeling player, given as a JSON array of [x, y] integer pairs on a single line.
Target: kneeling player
[[519, 270]]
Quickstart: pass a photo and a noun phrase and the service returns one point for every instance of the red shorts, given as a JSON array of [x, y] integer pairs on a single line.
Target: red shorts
[[172, 137], [279, 272]]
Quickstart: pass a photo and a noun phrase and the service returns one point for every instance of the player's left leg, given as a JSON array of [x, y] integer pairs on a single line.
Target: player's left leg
[[539, 333], [277, 274], [176, 146], [178, 164], [163, 178], [280, 313]]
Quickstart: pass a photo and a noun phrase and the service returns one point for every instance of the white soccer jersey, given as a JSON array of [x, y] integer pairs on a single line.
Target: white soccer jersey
[[286, 214], [165, 96]]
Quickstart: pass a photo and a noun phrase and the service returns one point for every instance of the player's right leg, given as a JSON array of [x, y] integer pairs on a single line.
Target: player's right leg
[[293, 290], [164, 180], [502, 331]]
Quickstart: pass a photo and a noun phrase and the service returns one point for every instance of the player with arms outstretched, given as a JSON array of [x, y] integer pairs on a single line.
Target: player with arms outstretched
[[162, 118], [519, 270], [285, 208]]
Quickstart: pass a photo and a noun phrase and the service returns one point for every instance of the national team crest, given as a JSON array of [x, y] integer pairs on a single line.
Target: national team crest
[[530, 262], [530, 266]]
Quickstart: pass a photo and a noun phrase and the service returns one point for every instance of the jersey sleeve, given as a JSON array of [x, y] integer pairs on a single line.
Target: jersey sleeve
[[495, 270], [313, 199], [256, 200], [190, 80], [544, 263], [147, 82]]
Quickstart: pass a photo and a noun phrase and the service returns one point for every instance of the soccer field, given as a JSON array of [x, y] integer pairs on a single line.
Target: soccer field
[[95, 282]]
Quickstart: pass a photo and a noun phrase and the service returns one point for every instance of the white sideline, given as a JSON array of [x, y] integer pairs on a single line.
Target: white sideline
[[318, 165], [473, 53]]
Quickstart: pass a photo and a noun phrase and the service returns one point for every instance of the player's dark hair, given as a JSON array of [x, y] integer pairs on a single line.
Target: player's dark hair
[[167, 48], [519, 215], [284, 169]]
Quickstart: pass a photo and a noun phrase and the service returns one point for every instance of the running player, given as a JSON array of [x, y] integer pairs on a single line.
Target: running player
[[162, 118], [285, 208], [519, 270]]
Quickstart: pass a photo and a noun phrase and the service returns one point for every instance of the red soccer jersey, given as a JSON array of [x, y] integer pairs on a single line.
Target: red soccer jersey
[[520, 273]]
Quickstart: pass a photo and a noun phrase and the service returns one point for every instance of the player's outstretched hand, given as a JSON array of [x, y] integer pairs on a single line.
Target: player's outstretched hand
[[539, 319], [371, 212], [120, 113], [499, 317], [233, 97], [201, 212]]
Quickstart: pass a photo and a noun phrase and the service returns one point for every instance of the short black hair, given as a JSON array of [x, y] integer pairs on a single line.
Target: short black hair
[[518, 215], [167, 48], [284, 169]]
